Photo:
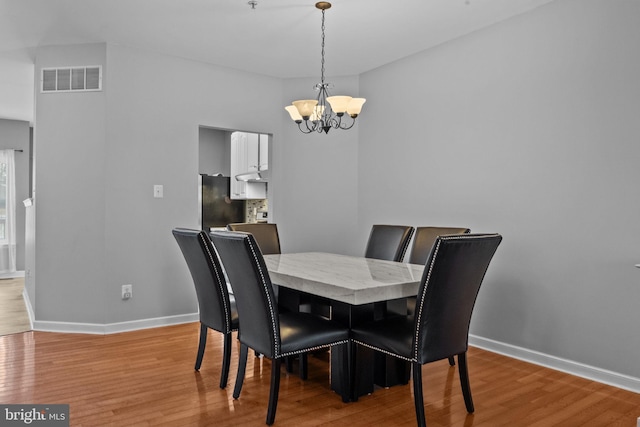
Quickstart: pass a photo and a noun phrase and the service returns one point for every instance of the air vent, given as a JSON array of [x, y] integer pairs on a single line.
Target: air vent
[[72, 79]]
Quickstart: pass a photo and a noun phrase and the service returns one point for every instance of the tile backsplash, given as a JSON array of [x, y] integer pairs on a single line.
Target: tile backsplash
[[254, 207]]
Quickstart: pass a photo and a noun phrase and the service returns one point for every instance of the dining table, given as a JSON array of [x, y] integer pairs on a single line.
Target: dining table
[[355, 290]]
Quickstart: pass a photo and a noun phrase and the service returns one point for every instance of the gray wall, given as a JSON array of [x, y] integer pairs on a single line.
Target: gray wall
[[315, 193], [71, 173], [528, 128], [16, 134], [16, 85], [214, 152], [99, 155]]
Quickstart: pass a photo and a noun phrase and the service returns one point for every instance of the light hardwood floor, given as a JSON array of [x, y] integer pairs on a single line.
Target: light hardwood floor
[[13, 313], [146, 378]]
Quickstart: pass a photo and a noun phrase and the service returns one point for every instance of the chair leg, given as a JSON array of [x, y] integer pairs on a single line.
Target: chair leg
[[417, 394], [275, 388], [303, 366], [464, 381], [226, 360], [201, 346], [242, 364], [452, 361]]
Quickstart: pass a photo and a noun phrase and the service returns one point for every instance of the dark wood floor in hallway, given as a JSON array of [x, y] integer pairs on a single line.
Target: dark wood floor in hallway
[[146, 378]]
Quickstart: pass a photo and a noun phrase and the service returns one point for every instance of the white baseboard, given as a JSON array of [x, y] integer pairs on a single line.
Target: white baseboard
[[103, 329], [568, 366], [12, 275], [113, 328], [27, 303]]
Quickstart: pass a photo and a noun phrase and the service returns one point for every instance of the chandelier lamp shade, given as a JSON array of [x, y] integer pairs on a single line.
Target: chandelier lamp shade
[[325, 112]]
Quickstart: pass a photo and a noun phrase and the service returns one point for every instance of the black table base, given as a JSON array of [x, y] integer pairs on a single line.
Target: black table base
[[372, 368]]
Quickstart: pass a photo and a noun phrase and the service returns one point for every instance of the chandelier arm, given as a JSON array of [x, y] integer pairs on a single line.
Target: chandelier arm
[[339, 123], [348, 127], [302, 130], [314, 127]]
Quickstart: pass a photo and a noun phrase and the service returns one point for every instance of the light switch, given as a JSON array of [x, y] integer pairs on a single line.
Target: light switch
[[158, 191]]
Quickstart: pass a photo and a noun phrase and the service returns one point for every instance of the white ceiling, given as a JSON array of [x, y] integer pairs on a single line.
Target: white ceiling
[[279, 38]]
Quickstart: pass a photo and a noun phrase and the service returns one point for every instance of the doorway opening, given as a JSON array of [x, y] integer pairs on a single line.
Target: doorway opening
[[234, 172]]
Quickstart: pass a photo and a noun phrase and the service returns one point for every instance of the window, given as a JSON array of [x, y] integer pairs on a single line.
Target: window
[[3, 202]]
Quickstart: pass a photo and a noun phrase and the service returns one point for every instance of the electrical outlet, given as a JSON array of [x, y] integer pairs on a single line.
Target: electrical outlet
[[127, 291]]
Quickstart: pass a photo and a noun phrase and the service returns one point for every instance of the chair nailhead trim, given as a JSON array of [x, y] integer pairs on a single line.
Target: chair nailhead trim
[[384, 351], [420, 307], [291, 353], [227, 314], [274, 325]]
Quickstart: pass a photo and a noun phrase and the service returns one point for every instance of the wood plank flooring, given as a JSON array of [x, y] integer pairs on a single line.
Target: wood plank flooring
[[13, 312], [146, 378]]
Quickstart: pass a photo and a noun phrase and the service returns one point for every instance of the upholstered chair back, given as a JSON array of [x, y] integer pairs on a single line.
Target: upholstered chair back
[[388, 242], [425, 237], [255, 299], [208, 278], [447, 294], [266, 235]]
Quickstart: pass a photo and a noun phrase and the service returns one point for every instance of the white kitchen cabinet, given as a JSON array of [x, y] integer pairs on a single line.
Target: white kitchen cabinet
[[238, 189], [263, 152], [245, 153], [253, 152]]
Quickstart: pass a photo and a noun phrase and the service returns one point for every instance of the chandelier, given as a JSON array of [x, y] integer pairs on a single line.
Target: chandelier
[[325, 112]]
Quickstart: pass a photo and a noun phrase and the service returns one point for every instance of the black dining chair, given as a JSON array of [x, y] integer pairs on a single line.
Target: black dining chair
[[268, 239], [440, 326], [388, 242], [423, 240], [425, 237], [262, 327], [265, 233], [217, 308]]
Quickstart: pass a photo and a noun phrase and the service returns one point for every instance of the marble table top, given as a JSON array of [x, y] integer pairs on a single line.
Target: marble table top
[[353, 280]]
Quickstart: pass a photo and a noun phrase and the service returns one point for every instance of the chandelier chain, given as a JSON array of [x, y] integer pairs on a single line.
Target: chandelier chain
[[322, 60]]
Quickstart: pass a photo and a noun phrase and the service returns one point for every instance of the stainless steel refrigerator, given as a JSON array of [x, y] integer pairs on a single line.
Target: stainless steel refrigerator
[[216, 207]]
